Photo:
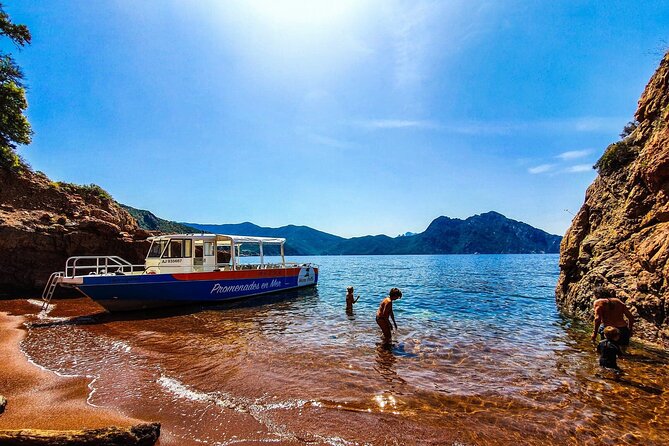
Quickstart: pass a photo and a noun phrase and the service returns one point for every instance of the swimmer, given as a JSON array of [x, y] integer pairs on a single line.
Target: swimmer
[[349, 300], [612, 312], [608, 349]]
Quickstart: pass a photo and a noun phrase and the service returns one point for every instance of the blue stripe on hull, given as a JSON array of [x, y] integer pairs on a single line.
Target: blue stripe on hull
[[118, 293]]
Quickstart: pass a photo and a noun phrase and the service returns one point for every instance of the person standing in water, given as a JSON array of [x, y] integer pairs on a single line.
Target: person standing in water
[[385, 313], [608, 349], [349, 300], [612, 312]]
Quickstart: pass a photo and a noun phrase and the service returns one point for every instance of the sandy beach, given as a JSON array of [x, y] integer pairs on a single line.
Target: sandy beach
[[39, 399]]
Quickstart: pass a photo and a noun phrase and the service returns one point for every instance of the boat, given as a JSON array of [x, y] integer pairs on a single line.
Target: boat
[[184, 269]]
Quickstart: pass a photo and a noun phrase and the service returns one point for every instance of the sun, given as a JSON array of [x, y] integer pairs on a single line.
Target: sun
[[303, 13]]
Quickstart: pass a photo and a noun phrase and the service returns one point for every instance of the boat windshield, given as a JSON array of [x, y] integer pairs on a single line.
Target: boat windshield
[[157, 248]]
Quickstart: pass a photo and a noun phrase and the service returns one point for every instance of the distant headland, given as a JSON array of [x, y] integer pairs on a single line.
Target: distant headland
[[487, 233]]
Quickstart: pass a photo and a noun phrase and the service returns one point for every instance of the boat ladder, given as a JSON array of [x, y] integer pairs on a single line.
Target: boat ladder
[[50, 287]]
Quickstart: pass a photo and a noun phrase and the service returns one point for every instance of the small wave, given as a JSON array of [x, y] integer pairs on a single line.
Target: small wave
[[120, 346], [256, 408], [62, 375], [226, 400], [221, 399], [45, 310]]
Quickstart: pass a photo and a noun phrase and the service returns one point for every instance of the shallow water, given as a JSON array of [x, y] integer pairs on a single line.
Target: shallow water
[[481, 357]]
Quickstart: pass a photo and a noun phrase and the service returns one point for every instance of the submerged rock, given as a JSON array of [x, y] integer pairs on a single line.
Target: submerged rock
[[620, 236], [144, 434]]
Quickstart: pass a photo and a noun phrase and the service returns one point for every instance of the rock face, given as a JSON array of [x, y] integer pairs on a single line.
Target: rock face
[[620, 237], [43, 223]]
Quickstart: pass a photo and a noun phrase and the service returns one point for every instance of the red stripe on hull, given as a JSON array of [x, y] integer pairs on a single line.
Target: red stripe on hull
[[243, 274]]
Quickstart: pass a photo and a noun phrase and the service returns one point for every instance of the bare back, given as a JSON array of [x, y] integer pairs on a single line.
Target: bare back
[[612, 312]]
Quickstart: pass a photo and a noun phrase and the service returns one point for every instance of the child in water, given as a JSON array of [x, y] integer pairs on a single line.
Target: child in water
[[349, 300], [385, 313], [608, 349]]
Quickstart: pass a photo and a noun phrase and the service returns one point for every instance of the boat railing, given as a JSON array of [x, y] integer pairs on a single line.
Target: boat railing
[[100, 265], [108, 265]]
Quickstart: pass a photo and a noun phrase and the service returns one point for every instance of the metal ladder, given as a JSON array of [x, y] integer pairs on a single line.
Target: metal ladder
[[50, 287]]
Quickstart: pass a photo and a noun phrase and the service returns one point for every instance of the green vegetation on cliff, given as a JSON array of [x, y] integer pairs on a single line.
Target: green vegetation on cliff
[[147, 220], [619, 154]]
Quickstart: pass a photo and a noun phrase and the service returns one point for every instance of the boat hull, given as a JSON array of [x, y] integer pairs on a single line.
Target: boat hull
[[127, 293]]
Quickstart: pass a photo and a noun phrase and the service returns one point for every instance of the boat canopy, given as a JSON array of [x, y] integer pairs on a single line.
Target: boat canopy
[[235, 239]]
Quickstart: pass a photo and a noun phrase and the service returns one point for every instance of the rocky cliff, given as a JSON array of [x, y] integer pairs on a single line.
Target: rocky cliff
[[620, 237], [42, 223]]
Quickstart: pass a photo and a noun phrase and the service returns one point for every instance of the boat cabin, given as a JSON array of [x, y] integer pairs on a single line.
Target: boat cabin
[[185, 253]]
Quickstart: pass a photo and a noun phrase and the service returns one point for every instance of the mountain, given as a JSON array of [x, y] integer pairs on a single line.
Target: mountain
[[147, 220], [489, 233], [300, 240], [619, 238]]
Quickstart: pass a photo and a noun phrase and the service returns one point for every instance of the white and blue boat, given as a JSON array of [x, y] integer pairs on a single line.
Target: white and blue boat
[[185, 269]]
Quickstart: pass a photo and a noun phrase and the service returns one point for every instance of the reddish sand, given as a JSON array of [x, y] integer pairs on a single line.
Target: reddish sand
[[39, 399]]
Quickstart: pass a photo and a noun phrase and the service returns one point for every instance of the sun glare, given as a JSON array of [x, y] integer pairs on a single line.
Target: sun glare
[[301, 13]]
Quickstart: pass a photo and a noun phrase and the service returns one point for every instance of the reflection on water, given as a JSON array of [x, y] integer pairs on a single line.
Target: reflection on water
[[480, 357]]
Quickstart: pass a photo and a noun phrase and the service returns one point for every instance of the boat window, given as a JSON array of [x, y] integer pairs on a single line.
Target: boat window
[[208, 248], [222, 254], [199, 252], [157, 248], [187, 248], [174, 250]]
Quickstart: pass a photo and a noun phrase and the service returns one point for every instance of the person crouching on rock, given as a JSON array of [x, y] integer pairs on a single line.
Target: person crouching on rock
[[608, 349], [612, 312], [385, 313]]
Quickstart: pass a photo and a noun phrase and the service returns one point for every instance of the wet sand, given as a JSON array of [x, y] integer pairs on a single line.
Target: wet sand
[[40, 399]]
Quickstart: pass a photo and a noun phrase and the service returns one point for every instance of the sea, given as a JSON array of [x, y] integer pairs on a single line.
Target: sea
[[481, 356]]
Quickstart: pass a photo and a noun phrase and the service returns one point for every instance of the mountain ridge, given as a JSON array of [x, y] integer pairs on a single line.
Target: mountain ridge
[[486, 233]]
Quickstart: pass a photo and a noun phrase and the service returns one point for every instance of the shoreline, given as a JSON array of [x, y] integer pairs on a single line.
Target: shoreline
[[41, 399]]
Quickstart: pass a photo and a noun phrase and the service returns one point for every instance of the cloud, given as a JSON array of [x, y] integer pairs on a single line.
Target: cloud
[[327, 141], [598, 123], [573, 154], [397, 124], [472, 127], [583, 124], [579, 168], [411, 41], [542, 168]]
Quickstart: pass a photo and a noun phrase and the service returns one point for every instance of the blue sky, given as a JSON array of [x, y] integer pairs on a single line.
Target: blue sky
[[355, 118]]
